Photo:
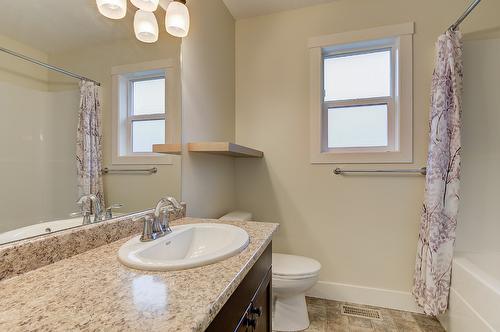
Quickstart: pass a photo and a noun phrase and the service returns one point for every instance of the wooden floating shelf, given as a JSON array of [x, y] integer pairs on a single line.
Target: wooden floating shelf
[[226, 149], [167, 148]]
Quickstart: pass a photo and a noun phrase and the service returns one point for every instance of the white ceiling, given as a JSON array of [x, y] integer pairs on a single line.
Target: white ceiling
[[57, 25], [249, 8]]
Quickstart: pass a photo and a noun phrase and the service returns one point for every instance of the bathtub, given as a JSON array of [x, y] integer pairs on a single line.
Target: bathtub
[[39, 229], [475, 293]]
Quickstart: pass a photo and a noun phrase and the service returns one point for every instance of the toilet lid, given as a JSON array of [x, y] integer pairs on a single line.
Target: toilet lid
[[292, 266]]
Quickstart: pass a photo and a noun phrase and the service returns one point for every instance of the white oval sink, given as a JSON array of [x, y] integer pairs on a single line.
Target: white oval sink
[[188, 246]]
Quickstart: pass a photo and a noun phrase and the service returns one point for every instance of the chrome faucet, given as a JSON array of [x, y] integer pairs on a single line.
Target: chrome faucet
[[109, 210], [159, 224], [98, 215], [162, 210], [84, 213]]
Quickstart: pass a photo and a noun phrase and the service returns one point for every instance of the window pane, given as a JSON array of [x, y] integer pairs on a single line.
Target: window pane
[[147, 133], [357, 126], [149, 96], [356, 76]]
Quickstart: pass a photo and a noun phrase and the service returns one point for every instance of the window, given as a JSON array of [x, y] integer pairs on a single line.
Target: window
[[359, 98], [144, 112], [361, 108], [146, 118]]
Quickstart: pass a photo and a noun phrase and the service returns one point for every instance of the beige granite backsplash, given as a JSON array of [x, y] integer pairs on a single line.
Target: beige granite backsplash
[[26, 255]]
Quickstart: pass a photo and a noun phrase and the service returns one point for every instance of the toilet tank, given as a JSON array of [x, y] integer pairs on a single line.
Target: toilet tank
[[237, 216]]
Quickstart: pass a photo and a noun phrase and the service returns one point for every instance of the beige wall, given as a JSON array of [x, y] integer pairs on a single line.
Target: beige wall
[[208, 108], [363, 229], [136, 192], [479, 221]]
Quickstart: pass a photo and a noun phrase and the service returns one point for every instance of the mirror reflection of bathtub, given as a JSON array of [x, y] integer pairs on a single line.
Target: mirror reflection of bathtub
[[42, 229]]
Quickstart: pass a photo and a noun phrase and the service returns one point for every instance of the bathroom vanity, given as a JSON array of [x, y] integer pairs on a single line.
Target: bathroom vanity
[[249, 308], [94, 291]]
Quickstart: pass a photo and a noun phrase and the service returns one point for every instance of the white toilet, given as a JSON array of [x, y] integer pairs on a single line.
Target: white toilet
[[293, 276]]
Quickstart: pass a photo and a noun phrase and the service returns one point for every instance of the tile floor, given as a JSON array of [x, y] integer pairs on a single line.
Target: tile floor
[[326, 316]]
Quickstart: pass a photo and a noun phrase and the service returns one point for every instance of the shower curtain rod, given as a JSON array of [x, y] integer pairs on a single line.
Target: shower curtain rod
[[46, 65], [469, 9]]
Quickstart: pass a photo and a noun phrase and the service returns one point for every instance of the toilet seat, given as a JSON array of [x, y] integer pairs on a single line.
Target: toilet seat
[[291, 267]]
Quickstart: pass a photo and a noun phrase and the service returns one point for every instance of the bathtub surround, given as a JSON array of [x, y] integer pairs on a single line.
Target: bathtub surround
[[478, 228], [474, 294], [38, 127], [436, 238], [475, 282], [20, 257], [110, 296], [89, 143]]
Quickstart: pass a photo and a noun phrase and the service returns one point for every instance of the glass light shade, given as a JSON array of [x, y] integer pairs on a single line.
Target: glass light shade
[[115, 9], [177, 19], [145, 26], [147, 5]]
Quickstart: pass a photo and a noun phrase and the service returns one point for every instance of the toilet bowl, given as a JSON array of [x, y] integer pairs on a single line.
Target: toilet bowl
[[292, 277]]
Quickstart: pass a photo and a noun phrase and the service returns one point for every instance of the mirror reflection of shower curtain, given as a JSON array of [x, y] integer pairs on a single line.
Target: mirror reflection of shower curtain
[[439, 217], [89, 142]]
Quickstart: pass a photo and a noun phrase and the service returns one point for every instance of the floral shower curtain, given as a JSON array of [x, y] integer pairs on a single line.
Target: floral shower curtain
[[89, 142], [439, 216]]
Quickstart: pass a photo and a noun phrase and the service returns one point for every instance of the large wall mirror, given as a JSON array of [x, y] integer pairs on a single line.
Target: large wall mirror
[[49, 116]]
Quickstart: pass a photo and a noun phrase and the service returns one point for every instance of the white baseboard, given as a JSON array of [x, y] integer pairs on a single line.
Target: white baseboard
[[378, 297]]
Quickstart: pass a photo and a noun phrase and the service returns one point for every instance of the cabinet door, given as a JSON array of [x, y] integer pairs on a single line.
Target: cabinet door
[[244, 324], [235, 315], [262, 306]]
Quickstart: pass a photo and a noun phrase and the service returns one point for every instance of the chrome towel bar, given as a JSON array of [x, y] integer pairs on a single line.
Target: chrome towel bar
[[153, 170], [421, 171]]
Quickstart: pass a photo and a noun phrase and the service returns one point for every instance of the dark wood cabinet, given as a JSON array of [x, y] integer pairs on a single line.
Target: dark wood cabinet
[[249, 308]]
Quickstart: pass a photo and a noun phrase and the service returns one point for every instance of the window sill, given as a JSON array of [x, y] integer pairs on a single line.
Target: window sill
[[389, 157]]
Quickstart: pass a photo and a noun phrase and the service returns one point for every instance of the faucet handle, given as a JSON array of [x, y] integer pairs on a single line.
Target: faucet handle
[[76, 214], [84, 213], [148, 233], [165, 219], [109, 210], [174, 202]]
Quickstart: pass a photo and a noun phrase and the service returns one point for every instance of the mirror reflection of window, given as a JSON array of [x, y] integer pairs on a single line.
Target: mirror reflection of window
[[147, 113]]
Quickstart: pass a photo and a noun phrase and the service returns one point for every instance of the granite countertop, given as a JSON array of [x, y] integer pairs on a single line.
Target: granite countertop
[[93, 291]]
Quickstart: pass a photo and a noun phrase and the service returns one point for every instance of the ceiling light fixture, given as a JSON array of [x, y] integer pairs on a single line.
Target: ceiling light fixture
[[114, 9], [147, 5], [177, 18], [145, 26]]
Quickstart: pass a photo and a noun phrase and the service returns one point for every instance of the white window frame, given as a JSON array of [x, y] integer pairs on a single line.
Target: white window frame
[[397, 38], [122, 101]]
